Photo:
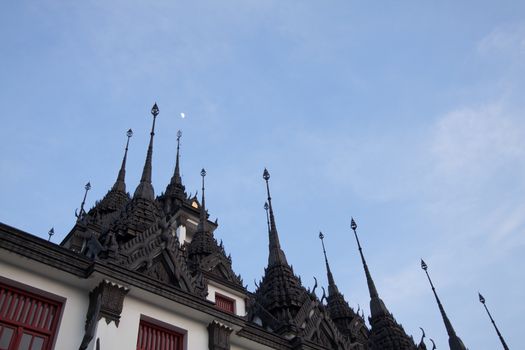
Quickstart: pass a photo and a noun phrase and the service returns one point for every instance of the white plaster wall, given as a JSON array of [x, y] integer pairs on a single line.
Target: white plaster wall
[[71, 327], [125, 336], [240, 305]]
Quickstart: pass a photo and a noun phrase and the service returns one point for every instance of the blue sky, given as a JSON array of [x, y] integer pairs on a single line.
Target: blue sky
[[406, 115]]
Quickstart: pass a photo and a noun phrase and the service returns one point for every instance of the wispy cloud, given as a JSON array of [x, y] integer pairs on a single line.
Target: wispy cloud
[[477, 141], [508, 39]]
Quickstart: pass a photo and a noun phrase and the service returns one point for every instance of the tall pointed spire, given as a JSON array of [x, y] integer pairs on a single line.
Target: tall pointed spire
[[276, 256], [203, 243], [377, 306], [145, 189], [332, 288], [120, 184], [176, 179], [454, 341], [203, 219], [482, 300], [175, 191]]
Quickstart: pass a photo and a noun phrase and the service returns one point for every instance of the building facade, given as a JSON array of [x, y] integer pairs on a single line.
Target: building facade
[[146, 272]]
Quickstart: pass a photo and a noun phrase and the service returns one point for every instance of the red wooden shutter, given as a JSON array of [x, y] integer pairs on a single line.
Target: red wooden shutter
[[153, 337], [225, 303], [27, 321]]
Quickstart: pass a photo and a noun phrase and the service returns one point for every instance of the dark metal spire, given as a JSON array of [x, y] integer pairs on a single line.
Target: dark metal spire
[[82, 212], [482, 300], [377, 306], [332, 288], [276, 256], [267, 217], [454, 341], [203, 219], [145, 189], [176, 179], [120, 184]]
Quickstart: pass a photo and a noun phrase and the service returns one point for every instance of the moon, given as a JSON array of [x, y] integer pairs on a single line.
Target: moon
[[183, 115]]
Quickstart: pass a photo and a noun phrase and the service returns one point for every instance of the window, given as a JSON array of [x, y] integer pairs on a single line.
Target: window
[[154, 337], [27, 321], [224, 303]]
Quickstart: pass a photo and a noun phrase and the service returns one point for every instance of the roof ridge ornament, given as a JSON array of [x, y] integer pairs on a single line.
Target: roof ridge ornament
[[454, 341], [422, 341], [145, 188], [482, 300], [80, 214], [120, 184], [51, 233]]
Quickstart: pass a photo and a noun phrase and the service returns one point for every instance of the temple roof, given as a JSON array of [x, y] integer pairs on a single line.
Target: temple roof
[[205, 254]]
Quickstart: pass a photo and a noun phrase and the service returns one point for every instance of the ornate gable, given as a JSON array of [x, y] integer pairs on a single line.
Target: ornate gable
[[220, 266], [157, 254]]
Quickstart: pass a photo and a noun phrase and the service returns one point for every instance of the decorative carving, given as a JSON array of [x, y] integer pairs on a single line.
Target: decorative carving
[[112, 300], [93, 247], [156, 253], [92, 318], [158, 271], [219, 336], [106, 301]]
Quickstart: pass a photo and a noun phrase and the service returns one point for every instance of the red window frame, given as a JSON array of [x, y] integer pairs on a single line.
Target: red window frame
[[32, 317], [154, 337], [224, 303]]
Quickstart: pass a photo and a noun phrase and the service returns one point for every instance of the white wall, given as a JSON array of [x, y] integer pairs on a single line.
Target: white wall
[[125, 336], [71, 327]]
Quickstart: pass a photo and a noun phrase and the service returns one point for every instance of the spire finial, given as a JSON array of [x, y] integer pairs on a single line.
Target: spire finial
[[276, 254], [51, 233], [202, 223], [377, 306], [145, 189], [453, 340], [80, 215], [482, 300], [120, 184], [332, 288]]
